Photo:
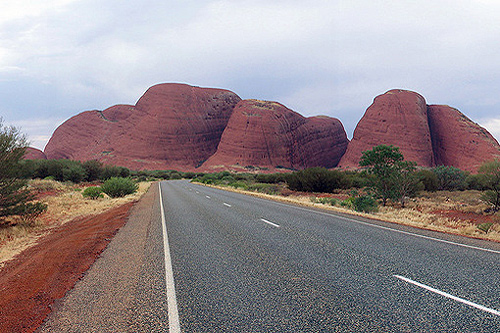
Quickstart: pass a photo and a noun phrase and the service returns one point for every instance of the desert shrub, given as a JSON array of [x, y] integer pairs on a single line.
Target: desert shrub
[[491, 176], [450, 178], [315, 180], [270, 178], [239, 184], [328, 201], [485, 226], [117, 187], [93, 192], [365, 203], [31, 211], [264, 188], [93, 170], [114, 171], [492, 198], [73, 172], [175, 175], [429, 180], [476, 182]]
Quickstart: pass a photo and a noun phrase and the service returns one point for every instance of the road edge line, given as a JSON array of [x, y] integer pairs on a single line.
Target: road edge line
[[173, 313], [450, 296]]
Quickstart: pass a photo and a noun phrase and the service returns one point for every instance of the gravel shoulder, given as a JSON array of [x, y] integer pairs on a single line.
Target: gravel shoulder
[[42, 274]]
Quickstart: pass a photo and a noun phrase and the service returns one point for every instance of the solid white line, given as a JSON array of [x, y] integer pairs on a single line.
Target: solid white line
[[271, 223], [382, 227], [173, 314], [391, 229], [442, 293], [226, 204]]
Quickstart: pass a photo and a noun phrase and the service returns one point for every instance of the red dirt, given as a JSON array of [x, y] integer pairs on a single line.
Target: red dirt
[[473, 218], [30, 283]]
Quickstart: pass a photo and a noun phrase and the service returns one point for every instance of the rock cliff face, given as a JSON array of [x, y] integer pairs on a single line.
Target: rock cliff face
[[430, 135], [458, 141], [269, 135], [34, 154], [398, 118], [172, 126]]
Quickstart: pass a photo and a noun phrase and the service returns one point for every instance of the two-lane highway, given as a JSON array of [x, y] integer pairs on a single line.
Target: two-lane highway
[[206, 260], [243, 264]]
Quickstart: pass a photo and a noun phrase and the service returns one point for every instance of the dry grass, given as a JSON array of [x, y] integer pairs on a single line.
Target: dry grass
[[65, 202], [424, 212]]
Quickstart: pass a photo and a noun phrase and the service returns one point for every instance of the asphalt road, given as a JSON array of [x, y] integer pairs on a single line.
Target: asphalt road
[[243, 264]]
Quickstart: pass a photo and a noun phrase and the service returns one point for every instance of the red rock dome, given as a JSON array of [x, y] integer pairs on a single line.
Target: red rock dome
[[269, 135]]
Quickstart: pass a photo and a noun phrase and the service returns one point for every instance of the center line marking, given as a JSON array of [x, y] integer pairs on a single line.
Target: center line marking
[[455, 298], [173, 313], [270, 223], [226, 204]]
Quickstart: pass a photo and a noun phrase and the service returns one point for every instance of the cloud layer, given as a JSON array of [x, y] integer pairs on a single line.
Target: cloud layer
[[60, 57]]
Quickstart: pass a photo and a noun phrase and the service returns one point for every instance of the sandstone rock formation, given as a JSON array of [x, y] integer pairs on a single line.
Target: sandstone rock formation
[[172, 126], [177, 126], [458, 141], [269, 135], [398, 117], [430, 135], [34, 154]]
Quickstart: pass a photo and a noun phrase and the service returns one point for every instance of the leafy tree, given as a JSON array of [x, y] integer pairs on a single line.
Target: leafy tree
[[14, 196], [382, 161], [491, 179]]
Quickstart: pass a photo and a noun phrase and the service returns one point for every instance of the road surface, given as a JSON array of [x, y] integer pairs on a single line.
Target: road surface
[[236, 263]]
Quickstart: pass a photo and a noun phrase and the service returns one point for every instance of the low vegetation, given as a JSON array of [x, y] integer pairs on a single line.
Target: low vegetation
[[388, 188]]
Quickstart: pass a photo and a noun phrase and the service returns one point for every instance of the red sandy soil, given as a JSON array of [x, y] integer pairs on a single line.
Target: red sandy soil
[[473, 218], [31, 282]]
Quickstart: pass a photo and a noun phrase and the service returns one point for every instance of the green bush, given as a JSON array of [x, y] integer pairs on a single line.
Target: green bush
[[365, 203], [93, 170], [117, 187], [316, 180], [485, 226], [450, 178], [93, 192], [114, 171], [328, 201], [429, 179]]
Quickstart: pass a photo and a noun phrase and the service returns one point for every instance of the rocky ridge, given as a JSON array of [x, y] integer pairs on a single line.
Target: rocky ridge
[[177, 126]]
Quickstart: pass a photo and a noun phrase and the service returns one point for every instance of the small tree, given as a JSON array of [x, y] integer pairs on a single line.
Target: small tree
[[491, 179], [381, 162], [14, 196], [404, 181]]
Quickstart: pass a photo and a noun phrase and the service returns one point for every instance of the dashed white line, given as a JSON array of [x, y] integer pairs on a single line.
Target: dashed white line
[[173, 313], [270, 223], [226, 204], [442, 293], [207, 196]]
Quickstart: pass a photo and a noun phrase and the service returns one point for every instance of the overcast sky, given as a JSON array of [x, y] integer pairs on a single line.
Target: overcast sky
[[62, 57]]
